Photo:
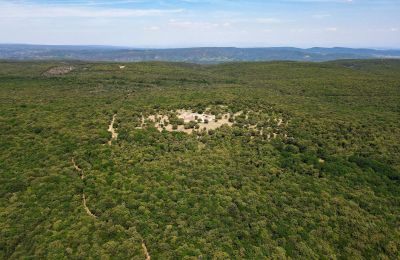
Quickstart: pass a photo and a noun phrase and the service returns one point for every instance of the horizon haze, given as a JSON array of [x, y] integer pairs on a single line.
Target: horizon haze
[[193, 55]]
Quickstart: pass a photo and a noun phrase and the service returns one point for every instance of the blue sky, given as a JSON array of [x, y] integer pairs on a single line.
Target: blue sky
[[188, 23]]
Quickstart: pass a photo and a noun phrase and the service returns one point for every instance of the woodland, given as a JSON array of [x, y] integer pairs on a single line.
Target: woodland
[[85, 175]]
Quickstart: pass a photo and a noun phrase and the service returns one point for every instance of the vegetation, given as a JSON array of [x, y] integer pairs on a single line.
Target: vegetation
[[205, 55], [327, 186]]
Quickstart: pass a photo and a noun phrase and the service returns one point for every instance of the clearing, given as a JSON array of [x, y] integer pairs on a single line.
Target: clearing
[[58, 71], [189, 121]]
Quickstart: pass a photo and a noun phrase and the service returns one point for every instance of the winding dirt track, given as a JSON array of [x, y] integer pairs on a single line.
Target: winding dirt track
[[114, 135], [111, 129], [86, 207], [80, 171], [146, 253], [83, 194]]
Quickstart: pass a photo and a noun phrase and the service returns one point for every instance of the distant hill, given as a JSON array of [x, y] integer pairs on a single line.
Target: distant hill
[[195, 55]]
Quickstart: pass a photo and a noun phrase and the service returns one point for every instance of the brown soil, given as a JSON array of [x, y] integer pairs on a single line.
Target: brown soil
[[111, 129], [187, 116], [86, 207], [161, 122], [146, 252]]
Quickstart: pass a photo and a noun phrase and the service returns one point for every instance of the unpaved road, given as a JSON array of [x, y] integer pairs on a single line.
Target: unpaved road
[[78, 169], [86, 207], [146, 253], [111, 129]]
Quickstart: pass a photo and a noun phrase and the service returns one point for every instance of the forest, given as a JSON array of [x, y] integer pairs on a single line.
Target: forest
[[305, 165]]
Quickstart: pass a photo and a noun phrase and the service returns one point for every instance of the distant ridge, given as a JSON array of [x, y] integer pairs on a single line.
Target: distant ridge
[[195, 55]]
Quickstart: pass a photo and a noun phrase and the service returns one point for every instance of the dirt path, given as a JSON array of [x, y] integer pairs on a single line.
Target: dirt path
[[111, 129], [86, 207], [146, 253], [78, 169]]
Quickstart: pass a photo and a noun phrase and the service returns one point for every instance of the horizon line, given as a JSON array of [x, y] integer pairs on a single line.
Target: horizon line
[[197, 46]]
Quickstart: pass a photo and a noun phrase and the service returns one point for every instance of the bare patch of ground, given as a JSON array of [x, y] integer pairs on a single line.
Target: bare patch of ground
[[111, 129], [146, 252], [58, 71], [188, 121]]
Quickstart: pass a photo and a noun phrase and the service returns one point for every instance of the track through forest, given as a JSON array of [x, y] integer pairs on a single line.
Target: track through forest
[[310, 143], [77, 168], [114, 135], [111, 129], [145, 251]]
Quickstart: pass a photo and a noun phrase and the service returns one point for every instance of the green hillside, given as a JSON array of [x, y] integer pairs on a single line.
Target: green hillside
[[307, 168], [204, 55]]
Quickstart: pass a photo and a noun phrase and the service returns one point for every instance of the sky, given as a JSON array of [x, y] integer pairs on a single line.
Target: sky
[[197, 23]]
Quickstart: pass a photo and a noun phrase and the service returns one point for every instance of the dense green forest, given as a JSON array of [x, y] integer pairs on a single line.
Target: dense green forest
[[326, 187]]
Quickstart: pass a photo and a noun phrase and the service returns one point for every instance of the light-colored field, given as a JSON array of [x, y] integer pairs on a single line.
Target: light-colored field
[[200, 122], [191, 121], [57, 71]]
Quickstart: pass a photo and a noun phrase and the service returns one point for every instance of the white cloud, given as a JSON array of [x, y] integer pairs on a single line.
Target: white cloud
[[147, 23], [331, 29], [196, 24], [321, 1], [321, 16], [9, 10], [268, 20]]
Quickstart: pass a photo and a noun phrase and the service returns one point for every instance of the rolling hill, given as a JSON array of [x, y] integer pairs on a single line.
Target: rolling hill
[[265, 160], [195, 55]]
